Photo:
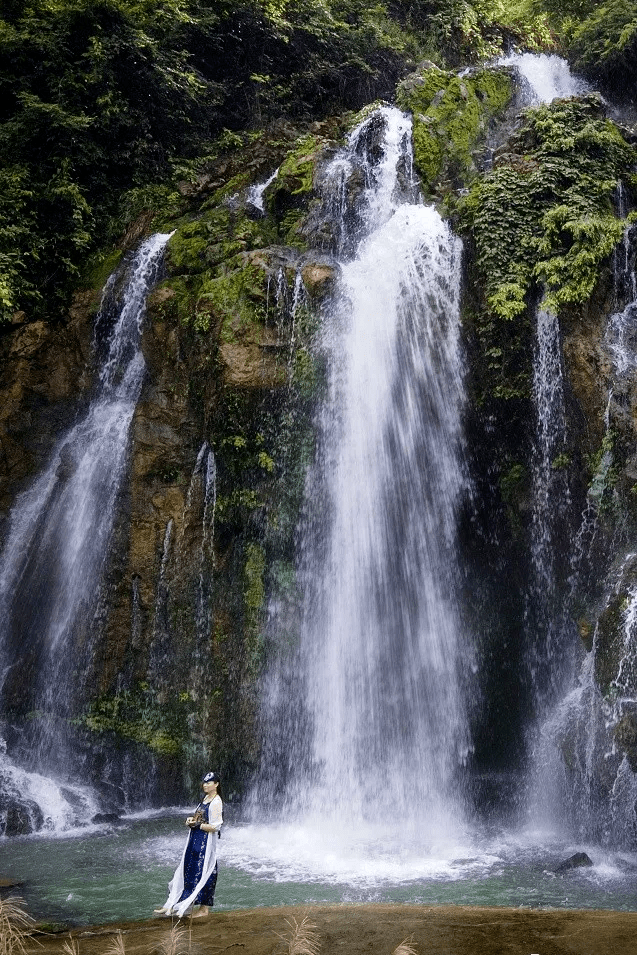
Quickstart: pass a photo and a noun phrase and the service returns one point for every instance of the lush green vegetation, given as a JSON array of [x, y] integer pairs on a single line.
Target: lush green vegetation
[[543, 218], [451, 119], [102, 101], [600, 38]]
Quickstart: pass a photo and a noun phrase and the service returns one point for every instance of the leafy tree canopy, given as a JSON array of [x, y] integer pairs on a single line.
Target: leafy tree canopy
[[99, 97]]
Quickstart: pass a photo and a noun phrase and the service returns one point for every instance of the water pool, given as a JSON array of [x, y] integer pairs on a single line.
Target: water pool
[[102, 874]]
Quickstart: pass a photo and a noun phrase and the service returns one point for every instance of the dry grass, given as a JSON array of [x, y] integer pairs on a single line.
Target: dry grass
[[175, 942], [15, 926], [71, 946], [301, 938], [117, 946], [406, 947]]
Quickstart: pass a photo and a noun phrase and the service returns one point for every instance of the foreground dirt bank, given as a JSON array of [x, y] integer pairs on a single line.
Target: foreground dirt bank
[[374, 930]]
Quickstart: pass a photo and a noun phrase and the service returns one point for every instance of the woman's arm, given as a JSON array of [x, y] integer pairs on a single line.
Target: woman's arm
[[215, 816]]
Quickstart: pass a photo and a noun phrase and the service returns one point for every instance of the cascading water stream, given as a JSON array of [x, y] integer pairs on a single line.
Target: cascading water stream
[[545, 618], [52, 563], [545, 77], [206, 469], [381, 723], [587, 724]]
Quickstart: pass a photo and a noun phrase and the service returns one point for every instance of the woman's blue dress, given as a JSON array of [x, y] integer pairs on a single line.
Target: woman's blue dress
[[193, 864]]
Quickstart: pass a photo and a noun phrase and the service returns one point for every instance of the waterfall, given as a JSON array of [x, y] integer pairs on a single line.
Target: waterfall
[[159, 656], [545, 77], [587, 784], [206, 553], [545, 615], [373, 710], [255, 193], [56, 549]]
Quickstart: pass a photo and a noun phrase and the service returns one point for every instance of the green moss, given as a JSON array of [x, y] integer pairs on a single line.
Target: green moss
[[99, 268], [243, 498], [289, 195], [542, 219], [236, 298], [139, 715], [254, 590], [561, 461], [187, 248], [305, 373], [296, 172], [451, 118]]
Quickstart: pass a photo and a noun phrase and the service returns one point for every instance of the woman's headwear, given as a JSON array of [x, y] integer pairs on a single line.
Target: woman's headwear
[[211, 778]]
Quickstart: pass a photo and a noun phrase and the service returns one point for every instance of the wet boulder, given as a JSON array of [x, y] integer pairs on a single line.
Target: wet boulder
[[100, 818], [20, 817], [577, 861]]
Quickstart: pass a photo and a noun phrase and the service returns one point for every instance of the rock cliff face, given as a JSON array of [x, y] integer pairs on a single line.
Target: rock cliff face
[[45, 371], [204, 536]]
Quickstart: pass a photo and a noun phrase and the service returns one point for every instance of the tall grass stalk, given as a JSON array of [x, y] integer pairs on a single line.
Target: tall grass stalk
[[174, 942], [16, 926], [301, 938], [406, 947], [71, 946], [117, 946]]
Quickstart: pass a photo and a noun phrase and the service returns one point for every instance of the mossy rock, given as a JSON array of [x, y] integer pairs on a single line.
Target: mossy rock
[[451, 117], [288, 197], [541, 222], [99, 268]]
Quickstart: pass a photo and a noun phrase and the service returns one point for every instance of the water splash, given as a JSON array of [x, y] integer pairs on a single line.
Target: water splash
[[545, 77], [255, 193], [46, 804]]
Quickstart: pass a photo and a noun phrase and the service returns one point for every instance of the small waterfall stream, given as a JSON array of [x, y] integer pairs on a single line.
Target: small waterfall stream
[[52, 563], [550, 493], [545, 77], [581, 734]]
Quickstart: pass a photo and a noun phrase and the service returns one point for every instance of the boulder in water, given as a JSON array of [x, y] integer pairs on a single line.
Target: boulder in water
[[101, 817], [577, 861], [10, 884], [21, 817]]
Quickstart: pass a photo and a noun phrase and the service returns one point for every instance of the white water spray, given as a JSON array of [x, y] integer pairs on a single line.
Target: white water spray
[[545, 77], [382, 642]]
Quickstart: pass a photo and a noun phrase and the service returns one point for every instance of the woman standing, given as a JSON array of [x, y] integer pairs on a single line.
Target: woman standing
[[195, 877]]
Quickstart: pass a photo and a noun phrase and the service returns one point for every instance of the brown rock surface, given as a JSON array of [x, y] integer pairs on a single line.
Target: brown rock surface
[[359, 930], [251, 364], [43, 370]]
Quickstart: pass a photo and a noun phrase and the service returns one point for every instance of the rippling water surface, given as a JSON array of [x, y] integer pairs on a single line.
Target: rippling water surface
[[100, 875]]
